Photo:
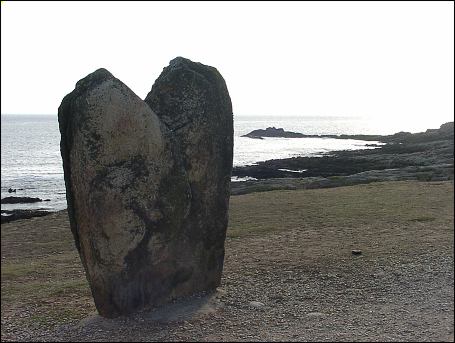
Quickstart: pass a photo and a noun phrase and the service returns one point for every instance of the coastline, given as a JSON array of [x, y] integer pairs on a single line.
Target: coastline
[[424, 156]]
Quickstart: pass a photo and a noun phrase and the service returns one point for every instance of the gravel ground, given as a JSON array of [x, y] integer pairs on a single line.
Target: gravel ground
[[272, 291]]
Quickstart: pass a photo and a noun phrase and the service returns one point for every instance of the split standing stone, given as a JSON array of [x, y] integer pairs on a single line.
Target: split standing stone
[[133, 198]]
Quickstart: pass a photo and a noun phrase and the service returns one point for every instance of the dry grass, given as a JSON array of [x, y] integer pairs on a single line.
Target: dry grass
[[371, 204]]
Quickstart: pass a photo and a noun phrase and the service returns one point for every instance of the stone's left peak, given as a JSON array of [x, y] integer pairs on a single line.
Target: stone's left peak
[[98, 76], [102, 72]]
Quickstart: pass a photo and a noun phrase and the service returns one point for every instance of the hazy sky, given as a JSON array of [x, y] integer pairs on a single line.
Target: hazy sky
[[393, 60]]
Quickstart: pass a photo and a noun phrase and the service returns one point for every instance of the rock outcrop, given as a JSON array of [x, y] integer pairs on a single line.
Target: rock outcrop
[[147, 206], [20, 200], [445, 132], [442, 172], [273, 132], [431, 148], [12, 215]]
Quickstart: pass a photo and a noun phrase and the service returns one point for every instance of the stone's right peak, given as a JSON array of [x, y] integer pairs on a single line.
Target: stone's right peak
[[180, 60], [102, 72], [97, 76]]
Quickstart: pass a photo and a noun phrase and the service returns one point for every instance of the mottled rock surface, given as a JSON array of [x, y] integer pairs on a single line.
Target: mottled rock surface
[[131, 194], [193, 101]]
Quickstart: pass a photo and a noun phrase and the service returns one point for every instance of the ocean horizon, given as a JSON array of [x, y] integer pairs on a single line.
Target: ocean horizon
[[32, 164]]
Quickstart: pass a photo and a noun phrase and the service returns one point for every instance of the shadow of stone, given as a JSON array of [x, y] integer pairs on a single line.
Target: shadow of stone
[[180, 310]]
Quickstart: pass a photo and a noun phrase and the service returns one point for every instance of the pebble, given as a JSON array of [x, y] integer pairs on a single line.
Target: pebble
[[315, 314], [256, 304]]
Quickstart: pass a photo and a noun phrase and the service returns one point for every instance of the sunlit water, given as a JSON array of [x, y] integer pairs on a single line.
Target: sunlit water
[[30, 149], [250, 151]]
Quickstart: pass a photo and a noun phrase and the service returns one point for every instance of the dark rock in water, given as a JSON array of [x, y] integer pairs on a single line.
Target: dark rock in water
[[19, 200], [11, 215], [273, 132], [445, 132], [10, 190], [147, 198]]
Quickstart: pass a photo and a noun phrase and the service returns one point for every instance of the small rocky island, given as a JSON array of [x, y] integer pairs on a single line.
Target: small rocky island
[[273, 132], [430, 134], [20, 200]]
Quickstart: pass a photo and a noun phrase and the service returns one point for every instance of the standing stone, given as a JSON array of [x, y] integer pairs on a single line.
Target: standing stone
[[193, 101], [132, 199]]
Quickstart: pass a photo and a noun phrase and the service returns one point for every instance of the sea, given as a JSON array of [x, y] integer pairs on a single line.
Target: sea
[[31, 162]]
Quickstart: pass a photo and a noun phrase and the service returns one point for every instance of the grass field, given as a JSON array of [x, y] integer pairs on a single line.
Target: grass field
[[43, 282]]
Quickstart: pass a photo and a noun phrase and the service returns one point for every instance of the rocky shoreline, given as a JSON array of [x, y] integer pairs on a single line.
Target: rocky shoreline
[[16, 214], [442, 172], [11, 215], [425, 156]]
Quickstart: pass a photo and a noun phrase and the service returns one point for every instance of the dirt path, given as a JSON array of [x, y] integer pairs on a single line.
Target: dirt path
[[293, 277]]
